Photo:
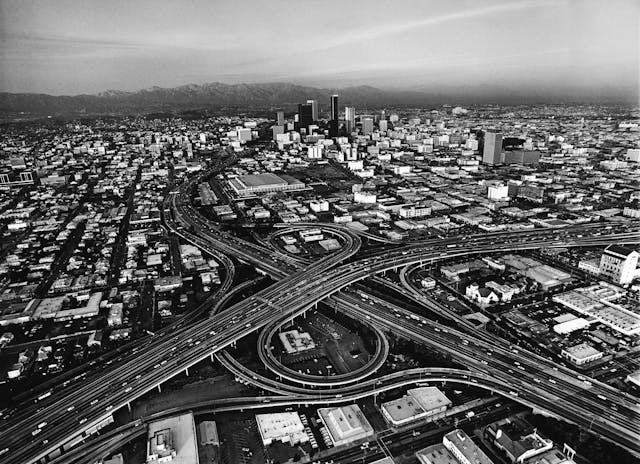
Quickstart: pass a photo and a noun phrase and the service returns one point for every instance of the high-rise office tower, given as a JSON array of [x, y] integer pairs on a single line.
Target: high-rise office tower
[[367, 126], [350, 118], [334, 123], [305, 115], [383, 115], [314, 109], [492, 148], [280, 118]]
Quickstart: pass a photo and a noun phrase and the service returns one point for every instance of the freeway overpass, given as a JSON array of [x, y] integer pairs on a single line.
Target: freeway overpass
[[69, 412]]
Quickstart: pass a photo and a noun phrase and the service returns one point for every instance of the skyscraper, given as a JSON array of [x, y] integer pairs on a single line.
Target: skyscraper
[[314, 109], [334, 123], [280, 118], [492, 148], [305, 115], [350, 118], [367, 126]]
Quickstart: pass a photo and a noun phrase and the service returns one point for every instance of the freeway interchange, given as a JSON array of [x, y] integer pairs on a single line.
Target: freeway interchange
[[43, 426]]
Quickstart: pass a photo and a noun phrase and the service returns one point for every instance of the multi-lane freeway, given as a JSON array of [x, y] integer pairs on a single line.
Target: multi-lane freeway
[[42, 427]]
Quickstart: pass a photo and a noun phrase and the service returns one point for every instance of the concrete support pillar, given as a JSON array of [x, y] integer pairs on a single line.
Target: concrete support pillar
[[186, 371], [211, 357], [129, 406], [159, 388]]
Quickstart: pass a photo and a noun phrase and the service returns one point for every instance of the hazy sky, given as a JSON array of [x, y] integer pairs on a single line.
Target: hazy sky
[[87, 46]]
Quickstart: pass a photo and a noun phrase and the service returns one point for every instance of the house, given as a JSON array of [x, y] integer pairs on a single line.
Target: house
[[484, 296]]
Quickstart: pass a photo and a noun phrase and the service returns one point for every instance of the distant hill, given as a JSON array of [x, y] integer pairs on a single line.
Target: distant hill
[[206, 96], [267, 97]]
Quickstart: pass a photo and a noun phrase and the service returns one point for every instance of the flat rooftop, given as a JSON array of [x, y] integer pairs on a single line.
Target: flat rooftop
[[346, 423], [634, 377], [183, 433], [430, 398], [403, 408], [282, 426], [385, 460], [436, 454], [465, 446], [257, 180], [581, 351]]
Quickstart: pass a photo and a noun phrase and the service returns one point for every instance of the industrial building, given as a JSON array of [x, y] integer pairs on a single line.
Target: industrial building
[[597, 302], [619, 264], [570, 323]]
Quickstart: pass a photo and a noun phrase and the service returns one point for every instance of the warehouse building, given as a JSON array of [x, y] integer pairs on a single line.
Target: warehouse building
[[255, 184]]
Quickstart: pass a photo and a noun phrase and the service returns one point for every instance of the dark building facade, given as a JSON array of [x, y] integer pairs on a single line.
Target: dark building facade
[[334, 122], [305, 115]]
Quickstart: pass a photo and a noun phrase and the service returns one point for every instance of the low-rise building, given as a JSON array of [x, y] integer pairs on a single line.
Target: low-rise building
[[115, 459], [571, 325], [168, 283], [296, 342], [517, 440], [464, 449], [597, 301], [590, 266], [436, 454], [172, 440], [285, 427], [634, 378], [418, 403], [345, 424], [581, 354], [209, 433], [253, 184]]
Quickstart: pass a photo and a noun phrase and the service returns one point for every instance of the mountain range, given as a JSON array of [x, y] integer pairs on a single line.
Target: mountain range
[[219, 96], [201, 96]]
